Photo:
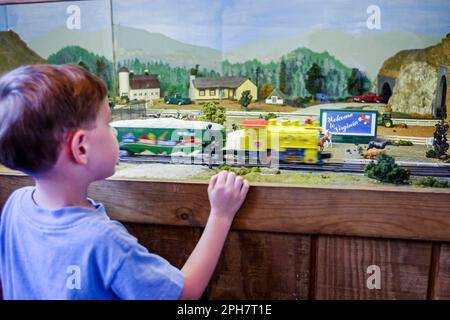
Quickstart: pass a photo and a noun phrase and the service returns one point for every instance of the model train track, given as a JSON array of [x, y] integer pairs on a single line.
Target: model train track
[[416, 169]]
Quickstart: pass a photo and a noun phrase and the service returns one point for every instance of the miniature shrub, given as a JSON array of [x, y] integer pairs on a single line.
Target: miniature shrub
[[386, 170], [238, 171], [402, 143], [431, 182]]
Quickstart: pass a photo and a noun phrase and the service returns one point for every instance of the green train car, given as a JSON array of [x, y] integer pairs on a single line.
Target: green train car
[[166, 136]]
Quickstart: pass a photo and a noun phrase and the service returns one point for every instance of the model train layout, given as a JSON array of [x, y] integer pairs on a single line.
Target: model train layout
[[290, 141]]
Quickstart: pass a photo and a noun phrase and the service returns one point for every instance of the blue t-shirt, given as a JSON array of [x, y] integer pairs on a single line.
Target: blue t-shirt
[[76, 253]]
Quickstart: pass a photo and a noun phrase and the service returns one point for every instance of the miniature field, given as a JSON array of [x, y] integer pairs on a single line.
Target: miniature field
[[410, 131], [347, 152], [228, 104]]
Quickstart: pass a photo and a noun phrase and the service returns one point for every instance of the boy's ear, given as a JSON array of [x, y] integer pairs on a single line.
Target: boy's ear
[[78, 146]]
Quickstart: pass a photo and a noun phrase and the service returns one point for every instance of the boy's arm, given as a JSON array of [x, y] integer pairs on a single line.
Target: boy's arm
[[226, 194]]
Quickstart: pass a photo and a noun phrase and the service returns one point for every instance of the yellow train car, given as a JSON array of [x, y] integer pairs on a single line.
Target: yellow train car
[[289, 141]]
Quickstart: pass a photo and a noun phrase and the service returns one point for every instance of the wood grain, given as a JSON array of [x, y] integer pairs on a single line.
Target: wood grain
[[256, 265], [395, 213], [175, 244], [342, 268], [442, 286]]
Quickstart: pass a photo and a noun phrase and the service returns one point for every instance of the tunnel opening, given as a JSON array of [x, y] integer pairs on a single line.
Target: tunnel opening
[[386, 92]]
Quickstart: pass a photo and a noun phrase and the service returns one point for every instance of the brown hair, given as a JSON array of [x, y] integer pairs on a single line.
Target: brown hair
[[39, 106]]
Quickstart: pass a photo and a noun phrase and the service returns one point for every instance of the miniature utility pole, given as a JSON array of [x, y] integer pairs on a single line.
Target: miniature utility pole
[[209, 144]]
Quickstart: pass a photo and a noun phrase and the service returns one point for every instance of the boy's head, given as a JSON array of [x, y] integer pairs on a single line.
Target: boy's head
[[55, 115]]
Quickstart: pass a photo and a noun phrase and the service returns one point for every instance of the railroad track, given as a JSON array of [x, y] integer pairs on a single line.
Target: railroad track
[[416, 169]]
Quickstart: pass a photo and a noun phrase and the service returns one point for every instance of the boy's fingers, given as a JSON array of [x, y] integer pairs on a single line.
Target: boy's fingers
[[238, 183], [213, 181], [245, 187], [230, 179], [222, 177]]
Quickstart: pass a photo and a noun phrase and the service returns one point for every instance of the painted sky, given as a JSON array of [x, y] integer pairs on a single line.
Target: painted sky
[[33, 20], [228, 24]]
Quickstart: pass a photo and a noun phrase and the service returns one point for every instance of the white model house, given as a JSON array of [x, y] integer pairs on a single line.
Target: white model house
[[275, 97], [139, 87]]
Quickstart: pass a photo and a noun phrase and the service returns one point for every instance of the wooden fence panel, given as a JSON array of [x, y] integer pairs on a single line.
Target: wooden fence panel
[[293, 242], [442, 282], [257, 265], [342, 268], [175, 244]]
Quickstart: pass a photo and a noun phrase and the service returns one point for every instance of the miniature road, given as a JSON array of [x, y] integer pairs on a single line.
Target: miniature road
[[315, 110]]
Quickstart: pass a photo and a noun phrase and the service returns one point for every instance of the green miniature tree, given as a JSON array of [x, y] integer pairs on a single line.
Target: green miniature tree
[[314, 80], [282, 77], [214, 113], [356, 82], [386, 170], [246, 98], [440, 144], [83, 65], [172, 90]]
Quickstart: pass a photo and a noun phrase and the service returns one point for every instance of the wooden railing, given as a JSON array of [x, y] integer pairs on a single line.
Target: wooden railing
[[294, 242]]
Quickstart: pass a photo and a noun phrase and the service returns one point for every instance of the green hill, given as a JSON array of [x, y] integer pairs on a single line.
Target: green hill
[[14, 52], [298, 62], [96, 64], [434, 56]]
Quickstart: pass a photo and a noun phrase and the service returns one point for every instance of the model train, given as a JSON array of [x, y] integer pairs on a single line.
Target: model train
[[288, 141], [164, 136], [283, 140]]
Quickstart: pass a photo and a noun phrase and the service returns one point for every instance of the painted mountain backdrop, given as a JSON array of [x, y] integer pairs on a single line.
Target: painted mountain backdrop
[[14, 52], [366, 51]]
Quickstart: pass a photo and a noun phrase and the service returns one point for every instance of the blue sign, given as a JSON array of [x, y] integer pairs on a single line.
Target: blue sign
[[349, 123]]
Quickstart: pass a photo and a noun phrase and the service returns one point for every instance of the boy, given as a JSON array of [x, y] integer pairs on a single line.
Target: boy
[[55, 243]]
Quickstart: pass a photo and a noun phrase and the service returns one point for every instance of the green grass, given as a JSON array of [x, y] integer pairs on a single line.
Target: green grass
[[300, 178]]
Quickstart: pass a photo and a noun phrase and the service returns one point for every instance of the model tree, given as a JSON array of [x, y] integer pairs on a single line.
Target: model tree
[[246, 98], [83, 65], [214, 113], [440, 144], [314, 80], [282, 76], [386, 170], [266, 89], [356, 82]]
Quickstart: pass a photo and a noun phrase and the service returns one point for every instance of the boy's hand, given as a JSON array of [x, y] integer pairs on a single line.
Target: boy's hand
[[226, 193]]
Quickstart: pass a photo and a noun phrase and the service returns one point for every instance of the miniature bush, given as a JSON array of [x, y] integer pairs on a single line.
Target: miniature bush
[[431, 182], [386, 170], [245, 99], [238, 171], [214, 113], [402, 143]]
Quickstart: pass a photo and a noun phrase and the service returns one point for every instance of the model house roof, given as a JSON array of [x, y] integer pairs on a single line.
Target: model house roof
[[124, 69], [220, 82], [277, 92], [146, 81]]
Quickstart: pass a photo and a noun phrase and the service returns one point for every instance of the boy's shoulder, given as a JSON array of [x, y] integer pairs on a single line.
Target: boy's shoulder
[[16, 197], [94, 224]]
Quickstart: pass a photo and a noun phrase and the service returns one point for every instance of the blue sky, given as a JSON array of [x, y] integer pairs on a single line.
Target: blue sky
[[227, 24]]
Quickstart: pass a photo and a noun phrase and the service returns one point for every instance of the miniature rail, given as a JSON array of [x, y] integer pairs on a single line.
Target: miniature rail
[[253, 114], [417, 169]]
